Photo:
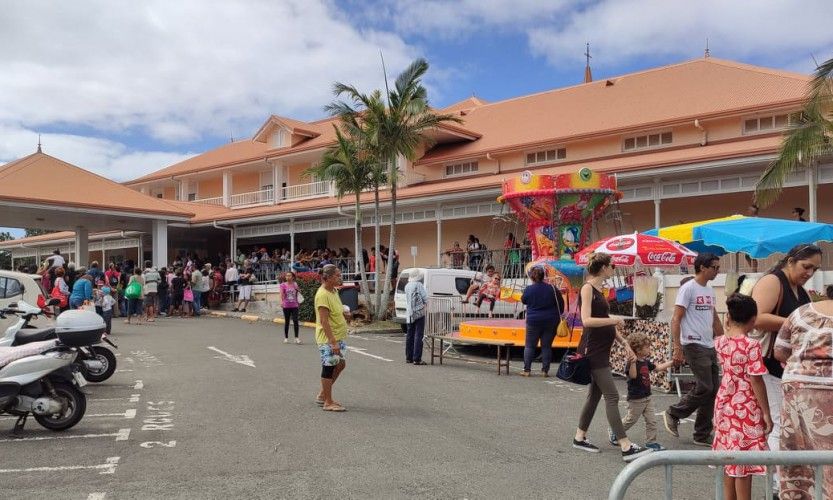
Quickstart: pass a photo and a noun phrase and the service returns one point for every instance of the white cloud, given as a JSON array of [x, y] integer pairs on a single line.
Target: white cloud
[[781, 33], [107, 158], [178, 70]]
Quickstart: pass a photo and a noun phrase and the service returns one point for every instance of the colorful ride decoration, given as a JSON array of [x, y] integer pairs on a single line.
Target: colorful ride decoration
[[558, 211]]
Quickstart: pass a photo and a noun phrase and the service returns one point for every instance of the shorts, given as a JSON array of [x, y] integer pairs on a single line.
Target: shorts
[[245, 292], [327, 356], [150, 299]]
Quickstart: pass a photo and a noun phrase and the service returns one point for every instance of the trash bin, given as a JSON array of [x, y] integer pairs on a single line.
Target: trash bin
[[349, 295]]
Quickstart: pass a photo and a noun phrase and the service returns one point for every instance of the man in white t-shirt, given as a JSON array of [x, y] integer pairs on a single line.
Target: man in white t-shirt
[[694, 326], [55, 260]]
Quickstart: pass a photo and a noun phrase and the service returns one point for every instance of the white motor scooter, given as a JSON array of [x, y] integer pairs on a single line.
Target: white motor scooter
[[39, 378], [97, 363]]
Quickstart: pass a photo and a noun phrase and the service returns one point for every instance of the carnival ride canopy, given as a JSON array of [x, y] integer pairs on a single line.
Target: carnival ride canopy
[[758, 237]]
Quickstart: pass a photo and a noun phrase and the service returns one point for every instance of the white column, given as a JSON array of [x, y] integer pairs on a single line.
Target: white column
[[159, 243], [183, 190], [227, 188], [233, 244], [277, 180], [103, 255], [291, 241], [813, 175], [82, 249], [657, 202], [139, 252], [439, 234]]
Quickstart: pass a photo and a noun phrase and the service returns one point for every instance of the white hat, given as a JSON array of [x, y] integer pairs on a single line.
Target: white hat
[[415, 275]]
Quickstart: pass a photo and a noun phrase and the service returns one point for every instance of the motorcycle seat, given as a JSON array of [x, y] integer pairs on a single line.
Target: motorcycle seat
[[9, 354], [29, 335]]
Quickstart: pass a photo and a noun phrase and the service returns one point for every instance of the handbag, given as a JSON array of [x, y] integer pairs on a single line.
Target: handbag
[[56, 294], [188, 295], [133, 290], [574, 366], [299, 298], [563, 329], [767, 340]]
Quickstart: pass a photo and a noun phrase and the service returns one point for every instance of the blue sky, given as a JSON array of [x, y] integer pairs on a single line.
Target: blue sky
[[125, 88]]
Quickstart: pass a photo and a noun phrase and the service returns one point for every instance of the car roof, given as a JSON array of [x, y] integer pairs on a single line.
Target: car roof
[[15, 274]]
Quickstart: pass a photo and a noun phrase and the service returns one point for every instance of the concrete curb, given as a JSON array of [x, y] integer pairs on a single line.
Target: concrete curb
[[253, 318]]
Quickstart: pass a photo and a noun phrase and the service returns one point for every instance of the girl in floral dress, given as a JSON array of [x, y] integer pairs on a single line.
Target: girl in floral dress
[[741, 411]]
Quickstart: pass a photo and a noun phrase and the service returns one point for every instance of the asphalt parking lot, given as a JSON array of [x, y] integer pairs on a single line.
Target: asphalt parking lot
[[222, 408]]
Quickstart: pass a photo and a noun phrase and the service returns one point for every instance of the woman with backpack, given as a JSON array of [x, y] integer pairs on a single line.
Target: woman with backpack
[[134, 292]]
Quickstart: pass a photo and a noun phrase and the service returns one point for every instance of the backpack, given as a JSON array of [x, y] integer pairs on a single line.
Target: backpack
[[113, 281], [133, 290]]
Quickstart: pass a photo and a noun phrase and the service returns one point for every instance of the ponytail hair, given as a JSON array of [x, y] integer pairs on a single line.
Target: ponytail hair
[[597, 261], [796, 253]]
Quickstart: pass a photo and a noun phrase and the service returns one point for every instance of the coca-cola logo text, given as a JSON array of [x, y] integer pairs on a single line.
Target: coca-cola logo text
[[662, 258], [619, 244]]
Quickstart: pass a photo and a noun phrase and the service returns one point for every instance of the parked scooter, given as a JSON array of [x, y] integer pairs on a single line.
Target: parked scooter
[[40, 379], [97, 363]]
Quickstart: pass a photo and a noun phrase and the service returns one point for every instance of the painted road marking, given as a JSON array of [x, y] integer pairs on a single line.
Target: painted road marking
[[96, 496], [138, 385], [121, 435], [134, 398], [241, 359], [109, 467], [128, 414], [123, 371], [361, 351], [354, 336], [394, 341]]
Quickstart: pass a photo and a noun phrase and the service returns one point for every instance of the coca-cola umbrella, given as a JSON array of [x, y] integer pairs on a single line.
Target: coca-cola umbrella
[[638, 249]]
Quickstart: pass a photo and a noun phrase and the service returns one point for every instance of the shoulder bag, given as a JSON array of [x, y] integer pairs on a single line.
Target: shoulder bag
[[563, 329], [767, 340], [574, 366], [133, 290]]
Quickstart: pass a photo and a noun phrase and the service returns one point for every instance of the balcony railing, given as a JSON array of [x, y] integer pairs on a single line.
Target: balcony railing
[[252, 198], [217, 200], [311, 190]]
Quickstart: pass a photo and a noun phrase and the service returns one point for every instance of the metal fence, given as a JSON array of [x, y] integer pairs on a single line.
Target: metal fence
[[668, 459], [271, 270], [510, 263]]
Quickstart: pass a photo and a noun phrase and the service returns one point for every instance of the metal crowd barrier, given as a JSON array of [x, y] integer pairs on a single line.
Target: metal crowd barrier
[[668, 459]]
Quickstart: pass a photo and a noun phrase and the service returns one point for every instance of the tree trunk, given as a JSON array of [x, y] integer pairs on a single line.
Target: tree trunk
[[377, 290], [359, 259], [392, 248]]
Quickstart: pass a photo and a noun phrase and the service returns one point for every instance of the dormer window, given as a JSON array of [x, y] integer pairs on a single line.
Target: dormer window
[[763, 124], [279, 138], [546, 156], [459, 169], [652, 140]]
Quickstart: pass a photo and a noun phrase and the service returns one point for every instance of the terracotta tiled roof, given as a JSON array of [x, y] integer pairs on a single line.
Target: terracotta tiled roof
[[295, 126], [68, 185], [227, 154], [621, 163], [701, 88]]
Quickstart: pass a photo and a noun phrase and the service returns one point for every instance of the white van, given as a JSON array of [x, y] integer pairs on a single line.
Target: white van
[[454, 283]]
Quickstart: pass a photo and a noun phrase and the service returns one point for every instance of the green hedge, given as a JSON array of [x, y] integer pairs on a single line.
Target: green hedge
[[308, 283]]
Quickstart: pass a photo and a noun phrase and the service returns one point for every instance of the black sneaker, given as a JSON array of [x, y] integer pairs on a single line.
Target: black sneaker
[[671, 424], [611, 437], [585, 445], [634, 451], [705, 442]]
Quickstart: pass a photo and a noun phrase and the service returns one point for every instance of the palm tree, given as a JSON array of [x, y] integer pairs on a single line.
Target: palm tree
[[350, 169], [806, 141], [395, 129]]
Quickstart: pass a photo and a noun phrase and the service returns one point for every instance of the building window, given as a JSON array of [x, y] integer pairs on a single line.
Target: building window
[[465, 168], [758, 124], [159, 195], [654, 140], [278, 138], [192, 196], [546, 156]]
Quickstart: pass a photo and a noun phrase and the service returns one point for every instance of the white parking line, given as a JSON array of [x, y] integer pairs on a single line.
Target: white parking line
[[123, 371], [134, 398], [241, 359], [109, 467], [96, 496], [121, 435], [128, 414], [138, 385], [394, 341], [359, 350]]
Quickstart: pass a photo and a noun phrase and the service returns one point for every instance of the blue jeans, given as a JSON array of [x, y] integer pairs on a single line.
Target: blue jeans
[[197, 304], [75, 303], [413, 340], [535, 332]]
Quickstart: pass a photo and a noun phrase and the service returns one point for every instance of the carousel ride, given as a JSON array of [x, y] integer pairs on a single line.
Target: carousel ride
[[559, 212]]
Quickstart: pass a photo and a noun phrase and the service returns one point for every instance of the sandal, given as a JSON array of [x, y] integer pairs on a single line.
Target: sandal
[[525, 374], [337, 408], [319, 402]]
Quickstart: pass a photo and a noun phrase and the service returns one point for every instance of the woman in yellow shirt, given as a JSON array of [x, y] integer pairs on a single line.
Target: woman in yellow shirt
[[330, 333]]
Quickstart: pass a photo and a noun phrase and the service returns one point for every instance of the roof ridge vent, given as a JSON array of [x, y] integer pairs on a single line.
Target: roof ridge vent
[[610, 83]]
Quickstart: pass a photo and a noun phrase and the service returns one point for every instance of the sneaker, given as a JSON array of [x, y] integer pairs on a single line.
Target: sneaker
[[634, 452], [285, 341], [706, 443], [611, 437], [655, 446], [671, 424], [297, 341], [585, 445]]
